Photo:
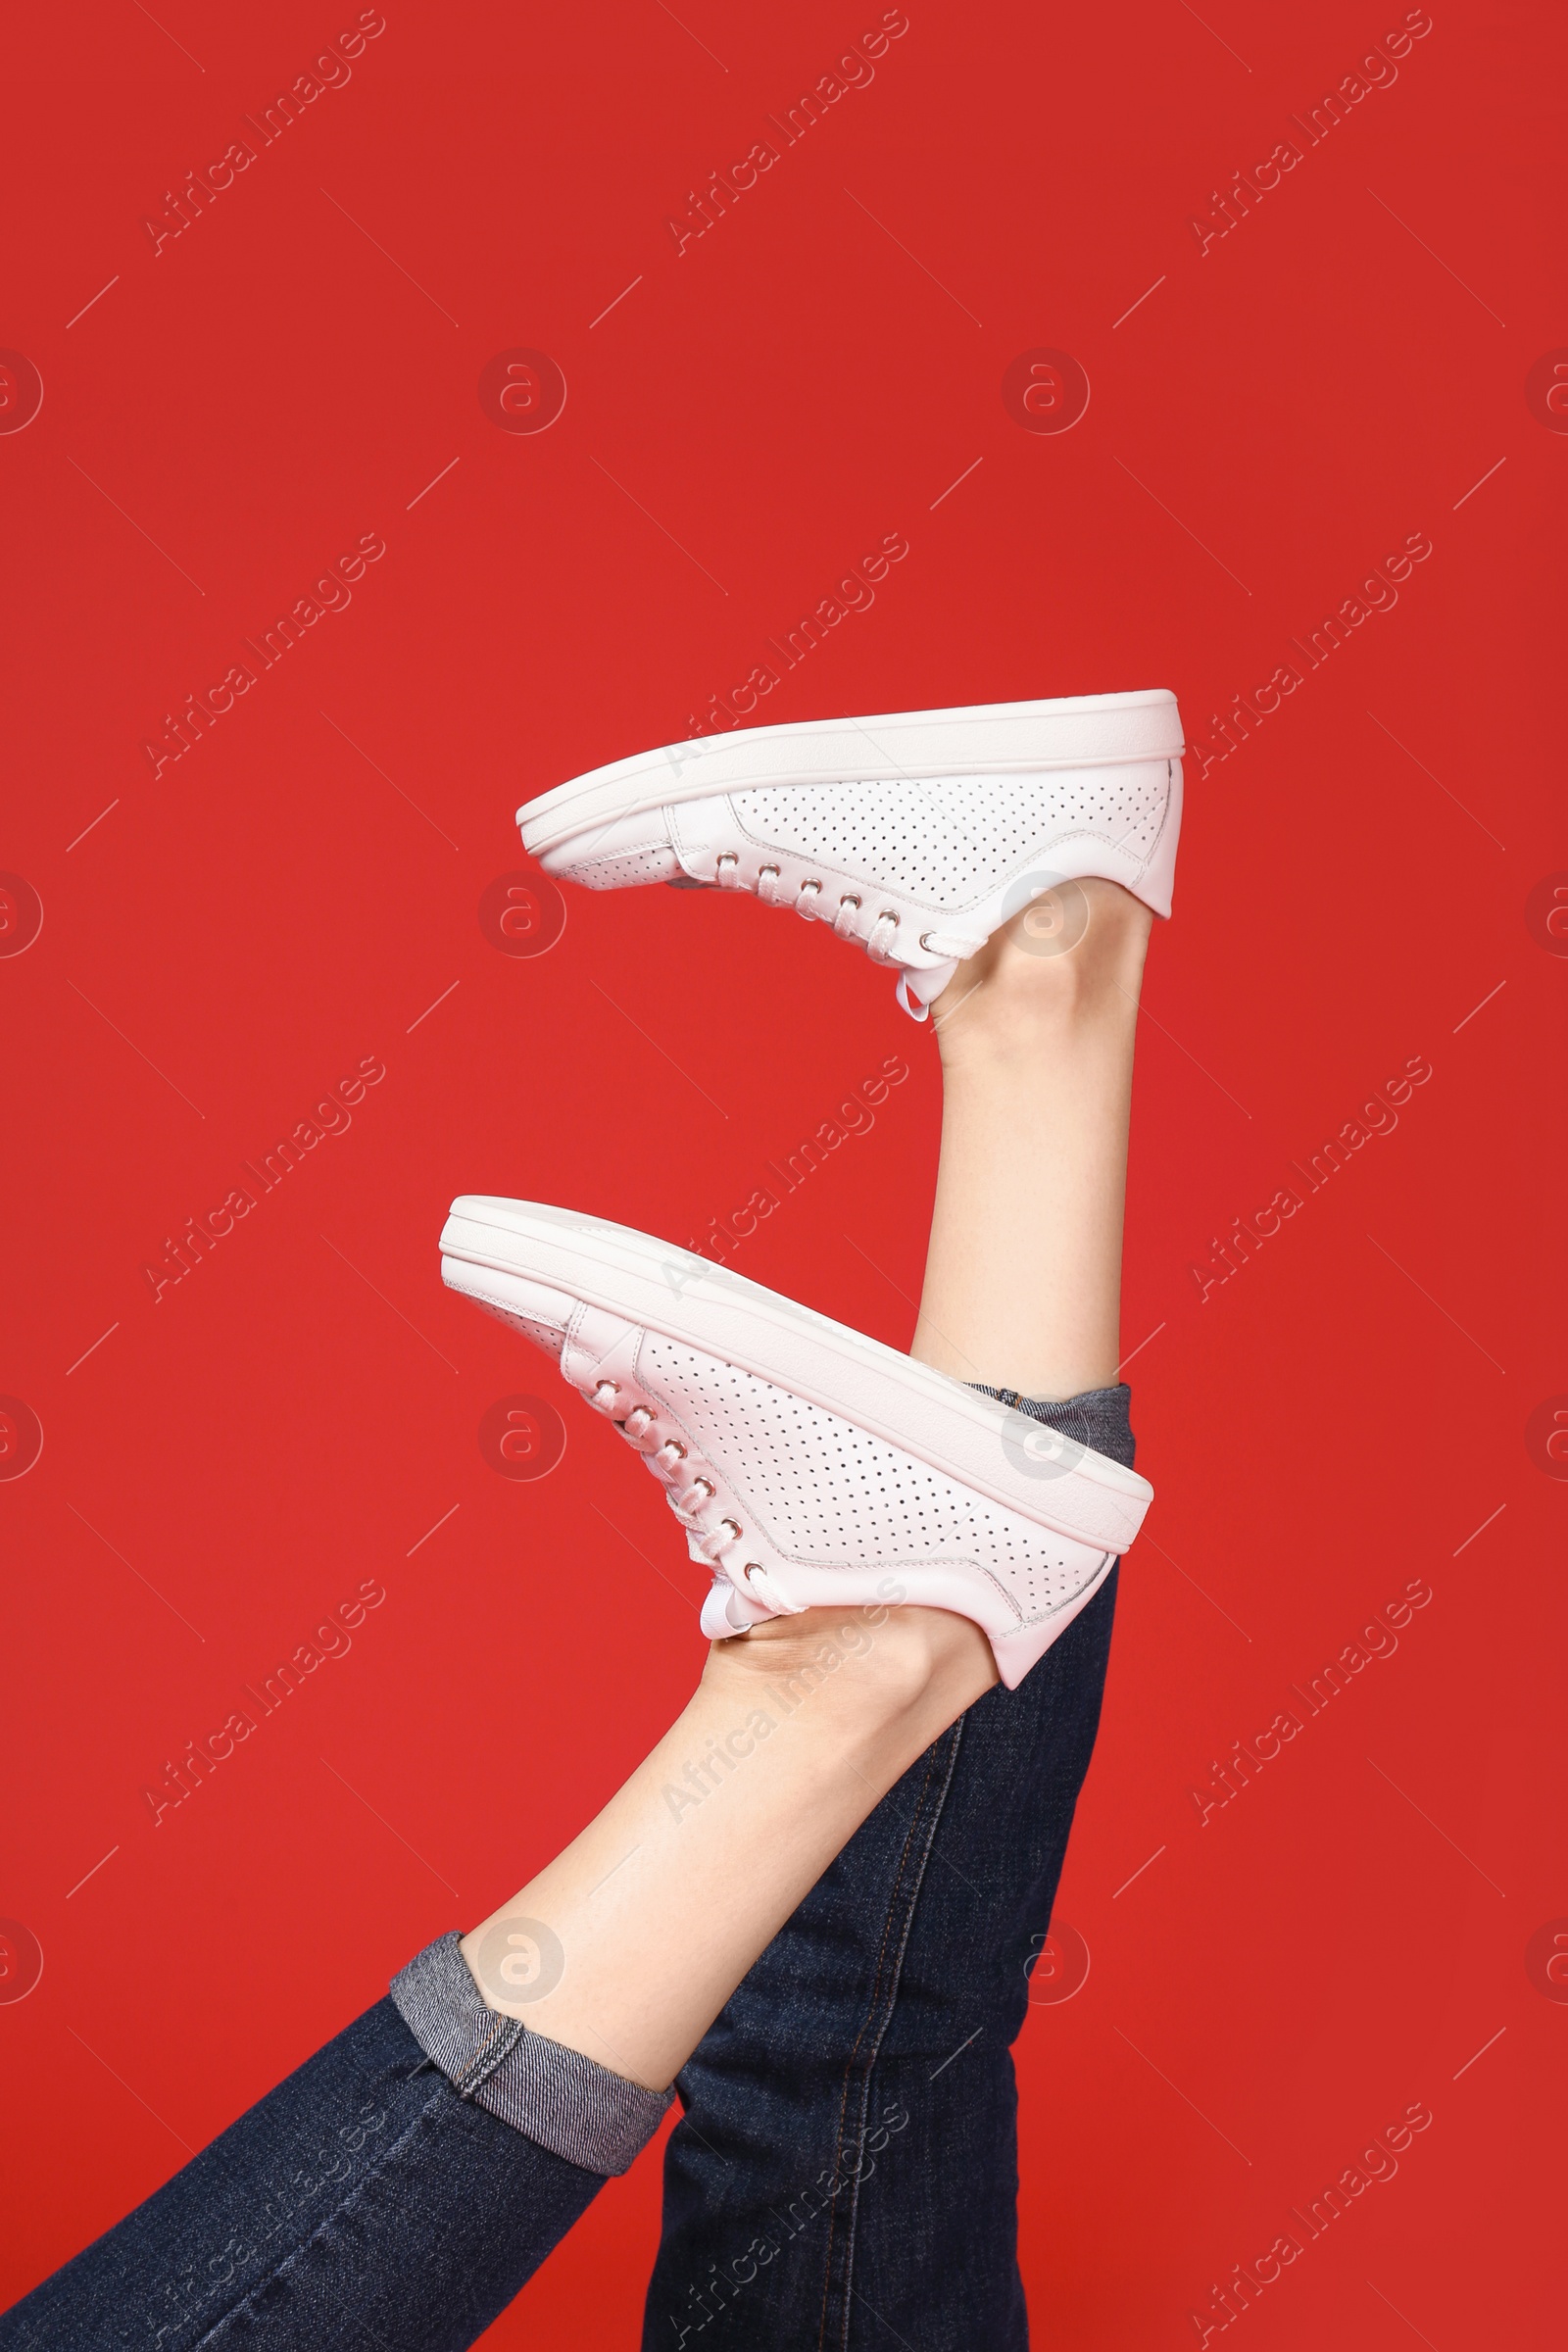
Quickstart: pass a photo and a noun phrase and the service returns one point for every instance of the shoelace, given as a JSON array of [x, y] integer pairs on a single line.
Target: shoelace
[[712, 1529], [879, 939]]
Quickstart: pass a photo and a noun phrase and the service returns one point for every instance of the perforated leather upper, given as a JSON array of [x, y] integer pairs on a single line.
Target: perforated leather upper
[[831, 1495], [949, 841], [624, 869]]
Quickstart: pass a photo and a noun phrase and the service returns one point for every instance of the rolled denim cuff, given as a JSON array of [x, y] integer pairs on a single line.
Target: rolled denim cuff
[[554, 2096], [1097, 1418]]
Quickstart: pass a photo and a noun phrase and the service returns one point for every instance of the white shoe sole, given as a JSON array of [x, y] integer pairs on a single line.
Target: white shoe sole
[[987, 739], [969, 1438]]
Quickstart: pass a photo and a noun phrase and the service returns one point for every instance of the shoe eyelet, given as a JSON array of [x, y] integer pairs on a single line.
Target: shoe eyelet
[[733, 1527], [606, 1388], [769, 873], [811, 889], [848, 901], [701, 1486]]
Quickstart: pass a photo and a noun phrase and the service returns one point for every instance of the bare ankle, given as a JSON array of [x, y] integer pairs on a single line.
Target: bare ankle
[[881, 1661], [1075, 954]]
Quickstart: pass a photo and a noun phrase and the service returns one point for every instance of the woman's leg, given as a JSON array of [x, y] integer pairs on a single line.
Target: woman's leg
[[1023, 1275], [652, 1916], [856, 2102], [397, 2189]]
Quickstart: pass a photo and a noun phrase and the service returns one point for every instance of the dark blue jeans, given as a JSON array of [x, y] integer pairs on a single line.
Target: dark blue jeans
[[362, 2206], [844, 2172]]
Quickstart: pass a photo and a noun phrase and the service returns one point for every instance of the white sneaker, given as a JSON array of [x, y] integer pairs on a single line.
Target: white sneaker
[[808, 1465], [916, 835]]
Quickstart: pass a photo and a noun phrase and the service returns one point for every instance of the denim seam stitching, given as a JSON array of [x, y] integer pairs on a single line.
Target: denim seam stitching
[[887, 1999], [852, 2218], [876, 1981], [426, 2116], [497, 2047]]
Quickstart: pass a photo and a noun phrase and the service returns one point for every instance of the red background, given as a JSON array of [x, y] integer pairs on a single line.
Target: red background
[[814, 373]]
